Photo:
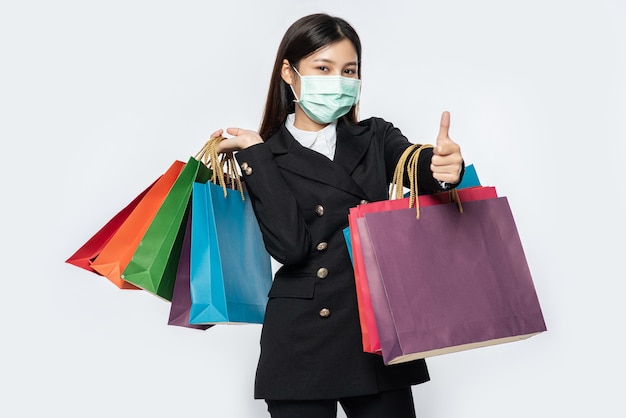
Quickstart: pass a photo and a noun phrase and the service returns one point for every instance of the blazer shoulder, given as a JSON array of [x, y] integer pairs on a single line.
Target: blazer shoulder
[[366, 128], [375, 123]]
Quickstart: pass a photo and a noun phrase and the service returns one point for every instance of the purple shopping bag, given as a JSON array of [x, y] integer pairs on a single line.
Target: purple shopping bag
[[181, 298], [452, 281], [385, 328]]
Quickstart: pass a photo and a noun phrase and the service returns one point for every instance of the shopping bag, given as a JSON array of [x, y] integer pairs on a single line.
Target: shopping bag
[[230, 268], [374, 313], [346, 237], [470, 178], [453, 281], [369, 331], [367, 316], [153, 264], [181, 297], [454, 275], [115, 255], [230, 273], [91, 248]]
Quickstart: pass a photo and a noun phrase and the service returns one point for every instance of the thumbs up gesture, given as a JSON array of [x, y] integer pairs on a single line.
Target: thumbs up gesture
[[447, 160]]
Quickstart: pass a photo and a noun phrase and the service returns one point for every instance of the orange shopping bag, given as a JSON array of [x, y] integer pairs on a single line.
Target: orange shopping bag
[[117, 253]]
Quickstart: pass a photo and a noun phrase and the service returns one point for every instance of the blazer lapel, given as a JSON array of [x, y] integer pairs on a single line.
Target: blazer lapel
[[290, 155], [353, 142]]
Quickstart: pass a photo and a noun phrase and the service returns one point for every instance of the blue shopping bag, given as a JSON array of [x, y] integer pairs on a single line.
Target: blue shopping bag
[[470, 178], [230, 269]]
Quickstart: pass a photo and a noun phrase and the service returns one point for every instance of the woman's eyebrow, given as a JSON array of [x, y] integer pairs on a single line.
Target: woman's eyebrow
[[329, 61]]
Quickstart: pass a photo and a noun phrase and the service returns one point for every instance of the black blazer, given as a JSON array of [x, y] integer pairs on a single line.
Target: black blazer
[[311, 340]]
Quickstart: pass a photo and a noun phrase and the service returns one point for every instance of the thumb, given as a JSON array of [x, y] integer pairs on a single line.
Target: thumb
[[443, 136], [234, 131]]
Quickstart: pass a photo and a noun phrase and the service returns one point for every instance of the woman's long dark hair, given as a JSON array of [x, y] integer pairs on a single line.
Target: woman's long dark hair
[[303, 38]]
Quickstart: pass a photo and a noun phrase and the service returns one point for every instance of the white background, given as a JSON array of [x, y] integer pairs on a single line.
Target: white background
[[98, 98]]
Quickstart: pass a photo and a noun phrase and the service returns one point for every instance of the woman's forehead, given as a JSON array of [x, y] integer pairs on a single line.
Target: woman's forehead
[[342, 52]]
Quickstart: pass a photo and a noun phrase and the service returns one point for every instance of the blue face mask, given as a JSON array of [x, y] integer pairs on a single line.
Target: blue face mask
[[325, 98]]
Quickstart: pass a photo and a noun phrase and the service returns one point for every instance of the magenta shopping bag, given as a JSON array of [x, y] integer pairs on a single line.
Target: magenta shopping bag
[[452, 281]]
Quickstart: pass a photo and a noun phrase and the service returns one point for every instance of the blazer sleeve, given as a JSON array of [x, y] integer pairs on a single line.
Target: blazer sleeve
[[284, 230], [395, 143]]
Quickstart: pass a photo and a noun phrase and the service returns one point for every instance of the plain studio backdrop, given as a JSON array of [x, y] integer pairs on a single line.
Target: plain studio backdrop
[[98, 98]]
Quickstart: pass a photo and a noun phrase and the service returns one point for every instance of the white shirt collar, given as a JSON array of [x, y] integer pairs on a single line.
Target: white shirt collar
[[323, 141]]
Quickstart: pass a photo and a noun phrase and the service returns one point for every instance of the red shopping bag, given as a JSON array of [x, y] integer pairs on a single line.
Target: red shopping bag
[[89, 250]]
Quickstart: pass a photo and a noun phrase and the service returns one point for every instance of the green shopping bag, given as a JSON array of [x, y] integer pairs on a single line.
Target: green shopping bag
[[154, 263]]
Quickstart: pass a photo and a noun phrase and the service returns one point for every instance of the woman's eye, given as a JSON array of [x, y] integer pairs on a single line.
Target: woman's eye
[[350, 71], [322, 68]]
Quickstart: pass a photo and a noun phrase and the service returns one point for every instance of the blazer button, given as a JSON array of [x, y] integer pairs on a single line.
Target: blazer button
[[319, 210], [322, 246], [325, 312], [246, 169], [322, 273], [364, 202]]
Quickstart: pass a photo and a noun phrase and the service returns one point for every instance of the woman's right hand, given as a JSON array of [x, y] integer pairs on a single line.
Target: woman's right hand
[[241, 139]]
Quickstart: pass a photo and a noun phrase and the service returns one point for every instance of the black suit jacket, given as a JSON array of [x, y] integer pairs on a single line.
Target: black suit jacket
[[311, 340]]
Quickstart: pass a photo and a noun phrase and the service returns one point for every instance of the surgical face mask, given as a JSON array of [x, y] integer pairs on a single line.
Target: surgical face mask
[[325, 98]]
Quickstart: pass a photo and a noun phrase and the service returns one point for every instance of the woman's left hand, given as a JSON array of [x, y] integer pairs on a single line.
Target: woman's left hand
[[241, 139], [447, 160]]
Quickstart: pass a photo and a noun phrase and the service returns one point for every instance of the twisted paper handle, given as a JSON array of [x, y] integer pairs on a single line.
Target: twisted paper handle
[[222, 165], [412, 153]]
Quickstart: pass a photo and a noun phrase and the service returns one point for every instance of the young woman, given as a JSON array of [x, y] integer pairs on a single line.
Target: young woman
[[311, 161]]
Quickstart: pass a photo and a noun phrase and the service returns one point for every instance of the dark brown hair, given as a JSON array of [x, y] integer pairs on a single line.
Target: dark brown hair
[[305, 36]]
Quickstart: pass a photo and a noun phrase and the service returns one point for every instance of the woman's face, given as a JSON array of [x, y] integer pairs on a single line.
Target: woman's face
[[339, 58], [336, 59]]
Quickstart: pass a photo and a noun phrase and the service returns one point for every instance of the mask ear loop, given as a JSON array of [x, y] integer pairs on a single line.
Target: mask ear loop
[[296, 70], [296, 100]]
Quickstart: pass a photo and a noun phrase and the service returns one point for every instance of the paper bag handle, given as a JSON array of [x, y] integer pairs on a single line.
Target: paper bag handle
[[412, 154], [222, 165]]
